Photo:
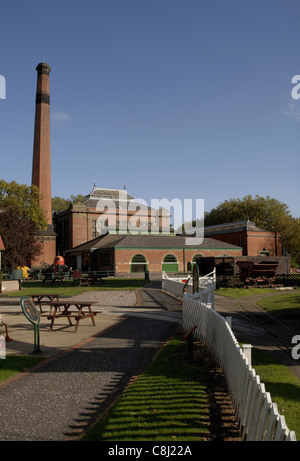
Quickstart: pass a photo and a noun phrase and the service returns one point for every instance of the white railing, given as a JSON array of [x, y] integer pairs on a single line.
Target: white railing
[[257, 415], [176, 284], [180, 284], [208, 279]]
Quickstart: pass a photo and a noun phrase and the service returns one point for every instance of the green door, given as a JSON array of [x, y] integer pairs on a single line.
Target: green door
[[170, 263]]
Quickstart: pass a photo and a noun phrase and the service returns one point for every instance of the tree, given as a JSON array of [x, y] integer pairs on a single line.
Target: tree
[[268, 213], [60, 204], [21, 220], [19, 237], [25, 200]]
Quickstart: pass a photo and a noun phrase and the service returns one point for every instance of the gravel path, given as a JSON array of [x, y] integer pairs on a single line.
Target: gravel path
[[102, 298], [109, 298]]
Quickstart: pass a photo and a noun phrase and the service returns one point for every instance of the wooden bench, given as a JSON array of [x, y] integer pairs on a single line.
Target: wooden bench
[[77, 277], [53, 278], [65, 305]]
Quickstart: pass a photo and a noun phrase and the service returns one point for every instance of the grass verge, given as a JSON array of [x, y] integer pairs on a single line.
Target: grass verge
[[12, 365], [283, 386], [67, 288], [175, 399], [242, 292], [283, 305]]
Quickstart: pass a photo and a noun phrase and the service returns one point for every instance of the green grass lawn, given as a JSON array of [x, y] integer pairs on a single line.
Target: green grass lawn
[[12, 365], [283, 305], [168, 402], [283, 386], [242, 292], [67, 288], [171, 401]]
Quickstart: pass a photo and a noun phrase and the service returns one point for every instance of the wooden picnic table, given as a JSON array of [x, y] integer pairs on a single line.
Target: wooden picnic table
[[66, 305], [54, 277], [86, 278], [43, 299]]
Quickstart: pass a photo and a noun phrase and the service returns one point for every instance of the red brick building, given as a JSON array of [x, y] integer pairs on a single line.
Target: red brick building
[[254, 240], [127, 254], [106, 210], [260, 246]]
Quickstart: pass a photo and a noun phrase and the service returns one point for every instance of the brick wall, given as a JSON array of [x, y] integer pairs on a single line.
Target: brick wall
[[253, 241], [48, 252], [155, 257]]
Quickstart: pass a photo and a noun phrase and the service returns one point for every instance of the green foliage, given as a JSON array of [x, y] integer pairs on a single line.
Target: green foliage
[[24, 200], [267, 213], [60, 204], [19, 237], [21, 219]]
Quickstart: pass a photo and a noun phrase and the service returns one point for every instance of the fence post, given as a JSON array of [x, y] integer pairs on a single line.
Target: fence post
[[229, 321], [247, 351]]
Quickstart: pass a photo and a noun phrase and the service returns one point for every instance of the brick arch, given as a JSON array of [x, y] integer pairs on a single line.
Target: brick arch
[[138, 263], [170, 263]]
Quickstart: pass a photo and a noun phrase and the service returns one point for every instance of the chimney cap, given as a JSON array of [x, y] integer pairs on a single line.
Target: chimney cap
[[43, 67]]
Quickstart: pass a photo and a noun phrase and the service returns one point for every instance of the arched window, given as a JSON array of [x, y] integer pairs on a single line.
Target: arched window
[[170, 259], [190, 265], [170, 263], [138, 263], [196, 257]]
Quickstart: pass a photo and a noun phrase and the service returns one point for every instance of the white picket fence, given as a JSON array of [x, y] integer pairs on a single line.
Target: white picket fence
[[257, 415], [183, 283]]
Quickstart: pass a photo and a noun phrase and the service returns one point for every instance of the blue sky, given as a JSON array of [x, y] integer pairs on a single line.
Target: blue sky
[[187, 99]]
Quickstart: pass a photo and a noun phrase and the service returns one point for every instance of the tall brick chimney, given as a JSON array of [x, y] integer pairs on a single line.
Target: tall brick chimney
[[41, 166]]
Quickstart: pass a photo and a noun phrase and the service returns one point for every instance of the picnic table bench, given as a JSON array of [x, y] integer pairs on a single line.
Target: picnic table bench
[[43, 299], [66, 305], [86, 278], [53, 277]]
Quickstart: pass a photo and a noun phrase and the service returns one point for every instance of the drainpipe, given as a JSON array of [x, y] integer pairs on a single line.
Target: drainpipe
[[87, 227]]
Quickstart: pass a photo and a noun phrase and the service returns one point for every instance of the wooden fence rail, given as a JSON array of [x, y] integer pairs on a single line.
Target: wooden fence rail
[[257, 415]]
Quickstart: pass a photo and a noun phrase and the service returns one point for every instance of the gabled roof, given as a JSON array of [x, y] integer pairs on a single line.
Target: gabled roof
[[149, 241], [238, 226]]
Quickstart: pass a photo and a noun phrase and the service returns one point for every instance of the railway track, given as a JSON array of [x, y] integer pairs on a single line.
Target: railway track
[[252, 324]]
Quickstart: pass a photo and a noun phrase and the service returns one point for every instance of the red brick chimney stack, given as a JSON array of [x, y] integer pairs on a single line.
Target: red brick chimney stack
[[41, 167]]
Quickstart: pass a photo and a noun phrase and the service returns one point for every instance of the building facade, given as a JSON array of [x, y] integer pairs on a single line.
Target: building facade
[[254, 240], [131, 254], [106, 210]]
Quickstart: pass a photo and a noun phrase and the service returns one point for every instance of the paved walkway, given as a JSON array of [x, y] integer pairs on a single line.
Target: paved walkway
[[60, 398]]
